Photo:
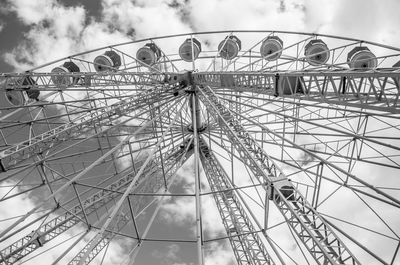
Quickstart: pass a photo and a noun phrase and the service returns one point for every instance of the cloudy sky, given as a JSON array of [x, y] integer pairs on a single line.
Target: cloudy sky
[[35, 32]]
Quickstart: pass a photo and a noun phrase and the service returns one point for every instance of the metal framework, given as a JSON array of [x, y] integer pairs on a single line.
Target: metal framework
[[297, 148]]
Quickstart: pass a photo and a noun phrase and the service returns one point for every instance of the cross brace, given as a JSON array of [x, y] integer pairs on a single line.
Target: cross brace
[[378, 90], [40, 143], [316, 235], [246, 244], [65, 221]]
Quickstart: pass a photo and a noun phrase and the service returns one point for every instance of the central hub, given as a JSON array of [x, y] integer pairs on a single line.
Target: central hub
[[184, 81]]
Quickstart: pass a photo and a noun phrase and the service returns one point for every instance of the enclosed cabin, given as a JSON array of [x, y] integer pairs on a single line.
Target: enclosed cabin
[[15, 96], [60, 79], [316, 52], [285, 188], [185, 144], [232, 231], [190, 50], [361, 58], [229, 48], [109, 61], [271, 48], [149, 54], [228, 194], [204, 148]]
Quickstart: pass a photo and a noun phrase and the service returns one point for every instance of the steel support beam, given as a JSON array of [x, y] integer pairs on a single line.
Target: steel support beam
[[316, 235]]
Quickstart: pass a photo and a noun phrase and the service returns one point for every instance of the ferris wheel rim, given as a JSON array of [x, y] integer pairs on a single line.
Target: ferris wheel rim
[[217, 32], [283, 99]]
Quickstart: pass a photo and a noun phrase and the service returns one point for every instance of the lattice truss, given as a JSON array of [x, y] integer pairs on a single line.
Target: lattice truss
[[293, 138]]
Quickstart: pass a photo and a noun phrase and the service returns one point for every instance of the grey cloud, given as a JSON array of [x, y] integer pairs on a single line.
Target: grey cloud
[[168, 255]]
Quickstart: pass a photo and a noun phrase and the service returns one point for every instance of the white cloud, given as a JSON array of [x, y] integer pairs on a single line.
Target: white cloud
[[252, 14], [56, 31], [59, 31], [219, 254], [180, 211], [30, 12], [358, 19], [169, 255], [148, 19]]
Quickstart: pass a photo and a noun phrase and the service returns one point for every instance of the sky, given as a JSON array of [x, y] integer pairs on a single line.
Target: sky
[[35, 32]]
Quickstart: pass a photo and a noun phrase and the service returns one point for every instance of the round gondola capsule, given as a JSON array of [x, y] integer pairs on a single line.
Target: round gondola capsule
[[271, 48], [67, 67], [185, 50], [108, 61], [316, 52], [72, 67], [149, 54], [361, 58], [229, 47], [15, 97]]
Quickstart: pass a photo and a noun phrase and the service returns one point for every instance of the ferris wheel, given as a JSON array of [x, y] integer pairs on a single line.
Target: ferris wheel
[[293, 137]]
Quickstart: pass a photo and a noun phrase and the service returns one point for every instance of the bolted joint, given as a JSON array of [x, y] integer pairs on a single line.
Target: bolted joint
[[36, 238]]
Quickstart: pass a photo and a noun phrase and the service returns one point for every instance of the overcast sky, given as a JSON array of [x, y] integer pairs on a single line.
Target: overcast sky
[[33, 32]]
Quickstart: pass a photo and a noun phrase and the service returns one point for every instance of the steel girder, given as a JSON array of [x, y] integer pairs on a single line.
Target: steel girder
[[317, 236], [376, 90], [153, 180], [44, 81], [245, 241], [40, 143]]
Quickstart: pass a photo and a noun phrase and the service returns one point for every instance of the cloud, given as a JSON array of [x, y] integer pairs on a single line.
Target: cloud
[[144, 18], [168, 256], [219, 254], [53, 34], [179, 211], [56, 31], [30, 12], [251, 15], [356, 19]]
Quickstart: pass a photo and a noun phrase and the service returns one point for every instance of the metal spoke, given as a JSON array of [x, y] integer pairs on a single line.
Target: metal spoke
[[293, 136]]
